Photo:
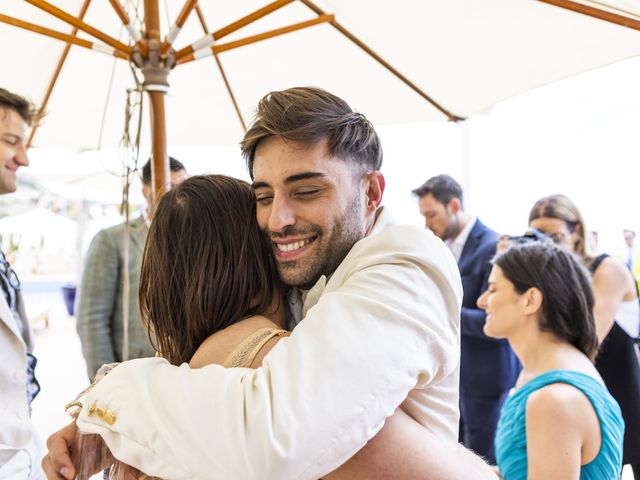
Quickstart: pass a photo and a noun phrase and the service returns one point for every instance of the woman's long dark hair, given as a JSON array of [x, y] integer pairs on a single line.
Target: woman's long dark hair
[[206, 264], [567, 297]]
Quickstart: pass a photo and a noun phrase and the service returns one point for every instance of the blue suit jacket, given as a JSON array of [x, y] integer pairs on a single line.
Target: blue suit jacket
[[488, 366]]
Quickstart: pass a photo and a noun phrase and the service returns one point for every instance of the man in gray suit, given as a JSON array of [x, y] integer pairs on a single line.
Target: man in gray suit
[[20, 446], [108, 310]]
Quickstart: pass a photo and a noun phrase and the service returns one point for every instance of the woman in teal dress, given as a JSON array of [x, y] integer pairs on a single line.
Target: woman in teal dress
[[561, 422]]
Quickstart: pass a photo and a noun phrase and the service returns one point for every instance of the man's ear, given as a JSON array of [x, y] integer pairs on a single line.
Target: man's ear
[[454, 205], [533, 300], [374, 189]]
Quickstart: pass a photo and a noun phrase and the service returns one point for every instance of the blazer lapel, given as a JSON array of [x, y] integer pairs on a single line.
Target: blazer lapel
[[138, 231], [7, 317], [470, 244]]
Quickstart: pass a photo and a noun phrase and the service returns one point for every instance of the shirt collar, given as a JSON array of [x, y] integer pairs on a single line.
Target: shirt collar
[[457, 243]]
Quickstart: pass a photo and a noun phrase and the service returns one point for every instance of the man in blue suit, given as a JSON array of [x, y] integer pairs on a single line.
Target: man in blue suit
[[488, 367]]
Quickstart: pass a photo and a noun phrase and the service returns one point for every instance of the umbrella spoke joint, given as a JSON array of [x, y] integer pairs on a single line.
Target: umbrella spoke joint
[[154, 65]]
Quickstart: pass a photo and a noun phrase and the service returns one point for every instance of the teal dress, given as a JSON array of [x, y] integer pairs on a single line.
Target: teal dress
[[511, 438]]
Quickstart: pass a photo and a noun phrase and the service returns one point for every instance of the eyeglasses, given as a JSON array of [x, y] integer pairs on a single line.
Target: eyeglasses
[[557, 237], [8, 272]]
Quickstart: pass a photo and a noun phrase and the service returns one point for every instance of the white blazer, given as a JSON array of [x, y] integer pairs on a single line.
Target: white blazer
[[20, 446], [382, 332]]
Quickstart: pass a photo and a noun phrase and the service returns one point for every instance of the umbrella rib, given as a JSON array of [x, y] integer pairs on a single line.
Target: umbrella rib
[[223, 32], [71, 20], [596, 13], [182, 18], [98, 47], [222, 72], [126, 21], [257, 15], [56, 74], [384, 63], [207, 50]]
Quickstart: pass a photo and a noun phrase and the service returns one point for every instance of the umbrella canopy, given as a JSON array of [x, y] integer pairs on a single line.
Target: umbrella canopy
[[463, 54]]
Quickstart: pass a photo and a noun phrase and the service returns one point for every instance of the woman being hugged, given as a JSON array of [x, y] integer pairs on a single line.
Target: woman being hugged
[[561, 422]]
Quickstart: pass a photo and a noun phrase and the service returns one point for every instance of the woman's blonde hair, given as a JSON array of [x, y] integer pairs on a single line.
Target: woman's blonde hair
[[561, 207]]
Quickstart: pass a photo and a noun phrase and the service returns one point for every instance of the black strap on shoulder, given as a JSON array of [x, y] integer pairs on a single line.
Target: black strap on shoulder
[[596, 262]]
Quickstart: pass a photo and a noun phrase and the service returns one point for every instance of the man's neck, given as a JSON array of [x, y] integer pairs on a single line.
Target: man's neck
[[372, 221], [462, 219]]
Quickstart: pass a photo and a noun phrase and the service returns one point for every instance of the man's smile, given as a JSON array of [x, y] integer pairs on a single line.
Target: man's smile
[[288, 248]]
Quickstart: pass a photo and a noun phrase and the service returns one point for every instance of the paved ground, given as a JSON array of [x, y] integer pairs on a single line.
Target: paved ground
[[61, 368]]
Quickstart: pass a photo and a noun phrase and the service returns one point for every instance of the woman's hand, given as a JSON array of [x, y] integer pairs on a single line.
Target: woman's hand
[[503, 243]]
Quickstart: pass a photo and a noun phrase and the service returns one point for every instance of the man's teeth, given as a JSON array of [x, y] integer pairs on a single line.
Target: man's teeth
[[290, 247]]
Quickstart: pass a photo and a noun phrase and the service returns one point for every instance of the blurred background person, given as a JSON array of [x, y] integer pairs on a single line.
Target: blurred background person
[[106, 303], [20, 445], [616, 312], [561, 422], [631, 257], [488, 367]]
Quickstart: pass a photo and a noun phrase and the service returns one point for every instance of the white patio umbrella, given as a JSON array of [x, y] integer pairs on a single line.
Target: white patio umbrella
[[406, 61]]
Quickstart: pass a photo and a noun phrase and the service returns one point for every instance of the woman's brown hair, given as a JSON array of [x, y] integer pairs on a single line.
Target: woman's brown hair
[[567, 295], [206, 264]]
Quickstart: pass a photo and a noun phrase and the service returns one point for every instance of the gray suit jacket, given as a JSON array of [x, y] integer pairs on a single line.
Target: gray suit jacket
[[17, 434], [100, 298]]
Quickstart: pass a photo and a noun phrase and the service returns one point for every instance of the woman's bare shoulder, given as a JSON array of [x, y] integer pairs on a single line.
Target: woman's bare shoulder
[[559, 406], [217, 347], [613, 276]]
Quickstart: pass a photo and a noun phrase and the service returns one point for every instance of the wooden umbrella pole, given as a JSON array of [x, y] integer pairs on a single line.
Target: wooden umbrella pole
[[160, 160], [383, 62], [98, 47], [71, 20], [56, 73], [223, 32], [596, 13]]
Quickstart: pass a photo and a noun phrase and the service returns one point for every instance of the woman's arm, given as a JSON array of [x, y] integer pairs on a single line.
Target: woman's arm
[[612, 284], [404, 450]]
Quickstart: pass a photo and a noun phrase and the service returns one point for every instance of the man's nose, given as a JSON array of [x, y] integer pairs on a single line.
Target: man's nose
[[21, 158], [281, 216]]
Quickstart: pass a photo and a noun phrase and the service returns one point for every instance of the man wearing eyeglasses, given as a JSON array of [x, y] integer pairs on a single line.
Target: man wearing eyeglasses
[[20, 446]]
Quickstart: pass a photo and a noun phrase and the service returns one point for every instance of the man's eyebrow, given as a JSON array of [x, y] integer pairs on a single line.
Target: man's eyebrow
[[304, 176], [256, 185], [291, 179]]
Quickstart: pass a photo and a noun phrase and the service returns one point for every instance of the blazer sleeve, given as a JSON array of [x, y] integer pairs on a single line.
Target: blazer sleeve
[[320, 395], [472, 318], [97, 300]]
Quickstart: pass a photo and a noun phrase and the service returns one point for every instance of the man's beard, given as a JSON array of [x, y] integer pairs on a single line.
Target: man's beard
[[452, 229], [329, 252]]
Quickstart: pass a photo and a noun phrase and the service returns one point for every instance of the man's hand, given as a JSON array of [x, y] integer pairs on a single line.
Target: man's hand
[[72, 453], [57, 464]]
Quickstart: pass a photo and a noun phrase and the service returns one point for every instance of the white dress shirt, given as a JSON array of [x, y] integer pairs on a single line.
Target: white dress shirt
[[383, 332]]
